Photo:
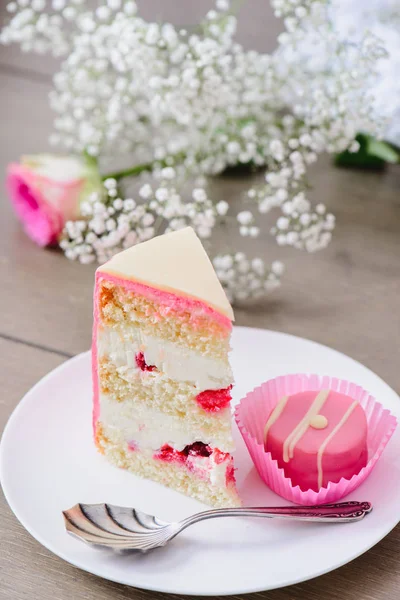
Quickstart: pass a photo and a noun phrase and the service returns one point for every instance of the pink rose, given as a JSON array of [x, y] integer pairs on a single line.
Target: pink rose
[[46, 191]]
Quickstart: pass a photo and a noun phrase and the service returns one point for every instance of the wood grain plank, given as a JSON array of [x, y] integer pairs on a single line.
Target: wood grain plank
[[21, 367]]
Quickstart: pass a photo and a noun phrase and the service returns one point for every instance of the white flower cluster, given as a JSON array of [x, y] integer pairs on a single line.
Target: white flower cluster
[[356, 22], [111, 224], [328, 81], [38, 29], [166, 94], [245, 278], [192, 102], [303, 229]]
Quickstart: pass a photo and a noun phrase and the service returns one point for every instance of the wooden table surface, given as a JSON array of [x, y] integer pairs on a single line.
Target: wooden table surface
[[346, 297]]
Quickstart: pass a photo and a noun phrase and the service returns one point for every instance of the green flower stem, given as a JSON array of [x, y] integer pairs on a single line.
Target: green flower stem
[[131, 171], [138, 169]]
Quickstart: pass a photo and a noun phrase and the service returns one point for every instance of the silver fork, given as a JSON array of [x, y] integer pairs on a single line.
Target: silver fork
[[119, 528]]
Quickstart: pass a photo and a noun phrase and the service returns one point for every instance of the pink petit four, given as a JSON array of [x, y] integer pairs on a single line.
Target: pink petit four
[[348, 420], [317, 437]]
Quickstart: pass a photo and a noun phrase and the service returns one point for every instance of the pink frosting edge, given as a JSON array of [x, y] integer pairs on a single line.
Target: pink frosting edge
[[95, 375], [147, 291], [165, 297]]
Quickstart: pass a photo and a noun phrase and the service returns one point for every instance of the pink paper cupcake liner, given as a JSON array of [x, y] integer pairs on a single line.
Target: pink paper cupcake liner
[[253, 410]]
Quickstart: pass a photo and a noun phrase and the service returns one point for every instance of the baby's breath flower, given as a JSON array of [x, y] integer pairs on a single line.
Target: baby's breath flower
[[243, 278], [245, 217], [129, 204], [110, 183], [222, 208], [161, 194], [199, 195], [145, 191]]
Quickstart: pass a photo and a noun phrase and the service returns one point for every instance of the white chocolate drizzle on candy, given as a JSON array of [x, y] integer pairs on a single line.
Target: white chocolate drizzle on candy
[[319, 422], [292, 439], [313, 419], [276, 413], [328, 439]]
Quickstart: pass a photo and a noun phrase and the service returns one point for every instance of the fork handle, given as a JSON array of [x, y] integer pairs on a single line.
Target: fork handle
[[340, 512]]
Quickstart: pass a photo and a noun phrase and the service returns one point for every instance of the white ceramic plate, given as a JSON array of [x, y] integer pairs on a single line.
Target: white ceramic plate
[[48, 463]]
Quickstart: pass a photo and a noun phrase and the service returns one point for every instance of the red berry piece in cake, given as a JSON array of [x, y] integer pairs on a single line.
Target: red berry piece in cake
[[230, 474], [219, 456], [197, 449], [169, 454], [214, 400], [141, 363]]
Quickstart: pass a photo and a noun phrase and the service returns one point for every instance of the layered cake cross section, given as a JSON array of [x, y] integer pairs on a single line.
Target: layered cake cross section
[[161, 374]]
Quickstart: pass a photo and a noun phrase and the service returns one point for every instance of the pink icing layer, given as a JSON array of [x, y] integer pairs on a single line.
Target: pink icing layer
[[344, 456], [171, 305], [95, 374]]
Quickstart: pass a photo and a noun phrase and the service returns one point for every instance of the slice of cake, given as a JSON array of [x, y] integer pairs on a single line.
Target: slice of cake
[[161, 375]]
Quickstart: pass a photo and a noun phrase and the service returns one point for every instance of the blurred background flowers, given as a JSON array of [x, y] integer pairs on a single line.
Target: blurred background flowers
[[172, 106]]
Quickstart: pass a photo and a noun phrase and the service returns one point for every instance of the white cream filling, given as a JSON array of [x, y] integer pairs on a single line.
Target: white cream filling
[[152, 429], [148, 431], [176, 362], [207, 467]]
